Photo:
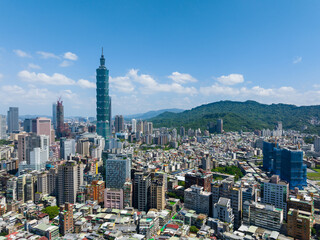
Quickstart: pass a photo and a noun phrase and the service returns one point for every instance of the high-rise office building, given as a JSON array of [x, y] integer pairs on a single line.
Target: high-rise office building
[[219, 126], [42, 183], [42, 126], [145, 127], [103, 101], [60, 119], [119, 123], [141, 191], [11, 193], [211, 127], [316, 144], [3, 127], [13, 119], [140, 126], [38, 158], [67, 148], [267, 152], [54, 116], [70, 178], [52, 181], [118, 169], [150, 128], [285, 162], [27, 125], [21, 187], [134, 125], [30, 186], [33, 151], [182, 131]]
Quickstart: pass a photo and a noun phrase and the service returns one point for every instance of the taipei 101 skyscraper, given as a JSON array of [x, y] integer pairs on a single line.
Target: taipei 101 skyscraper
[[103, 101]]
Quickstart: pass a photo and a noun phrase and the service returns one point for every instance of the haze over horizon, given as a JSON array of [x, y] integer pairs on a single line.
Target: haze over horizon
[[164, 54]]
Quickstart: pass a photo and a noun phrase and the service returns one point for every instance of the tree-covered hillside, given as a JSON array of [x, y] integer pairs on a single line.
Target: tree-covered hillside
[[246, 116]]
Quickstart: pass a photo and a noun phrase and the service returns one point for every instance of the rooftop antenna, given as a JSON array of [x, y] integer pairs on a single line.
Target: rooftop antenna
[[102, 51]]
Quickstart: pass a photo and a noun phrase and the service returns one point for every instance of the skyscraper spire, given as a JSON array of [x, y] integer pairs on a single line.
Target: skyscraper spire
[[102, 60]]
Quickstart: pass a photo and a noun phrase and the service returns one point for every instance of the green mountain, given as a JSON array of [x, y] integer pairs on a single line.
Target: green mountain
[[246, 116], [152, 114]]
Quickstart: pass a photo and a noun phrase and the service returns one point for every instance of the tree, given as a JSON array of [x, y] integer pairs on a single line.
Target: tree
[[52, 211], [194, 229]]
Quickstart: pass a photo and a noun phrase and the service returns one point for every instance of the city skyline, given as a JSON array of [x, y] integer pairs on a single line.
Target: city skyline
[[159, 55]]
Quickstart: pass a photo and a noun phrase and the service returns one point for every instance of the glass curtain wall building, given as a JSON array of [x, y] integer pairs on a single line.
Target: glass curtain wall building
[[286, 163]]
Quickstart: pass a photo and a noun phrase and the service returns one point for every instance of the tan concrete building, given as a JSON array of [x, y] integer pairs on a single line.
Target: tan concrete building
[[66, 219], [299, 224], [95, 191], [157, 195]]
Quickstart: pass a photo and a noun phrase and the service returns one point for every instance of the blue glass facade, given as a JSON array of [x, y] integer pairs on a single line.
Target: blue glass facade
[[268, 155], [103, 101], [118, 169], [286, 163]]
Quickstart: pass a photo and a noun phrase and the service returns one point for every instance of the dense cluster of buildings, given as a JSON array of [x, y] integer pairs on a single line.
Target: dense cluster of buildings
[[125, 179]]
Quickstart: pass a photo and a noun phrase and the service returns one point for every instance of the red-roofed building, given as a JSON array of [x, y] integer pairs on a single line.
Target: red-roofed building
[[172, 226]]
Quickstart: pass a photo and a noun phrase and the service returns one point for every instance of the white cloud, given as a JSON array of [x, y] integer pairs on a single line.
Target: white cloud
[[217, 89], [39, 96], [1, 76], [55, 79], [86, 84], [65, 63], [34, 66], [182, 77], [248, 93], [21, 53], [297, 60], [147, 84], [122, 84], [231, 79], [150, 85], [47, 55], [12, 89], [70, 56]]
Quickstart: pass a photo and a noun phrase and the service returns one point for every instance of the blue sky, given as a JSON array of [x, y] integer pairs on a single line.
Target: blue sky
[[161, 54]]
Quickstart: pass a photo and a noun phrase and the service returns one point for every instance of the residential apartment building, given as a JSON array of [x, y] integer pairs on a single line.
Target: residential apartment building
[[227, 189], [222, 210], [70, 178], [95, 191], [157, 195], [275, 192], [141, 191], [299, 224], [197, 199], [66, 219], [113, 198], [262, 215]]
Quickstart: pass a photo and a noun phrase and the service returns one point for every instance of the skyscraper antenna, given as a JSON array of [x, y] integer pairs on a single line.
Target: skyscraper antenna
[[102, 51]]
